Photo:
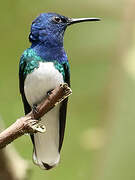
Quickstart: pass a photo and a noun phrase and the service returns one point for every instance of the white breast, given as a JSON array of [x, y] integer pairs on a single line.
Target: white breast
[[40, 81]]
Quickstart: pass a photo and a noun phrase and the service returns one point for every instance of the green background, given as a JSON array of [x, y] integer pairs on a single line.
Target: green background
[[91, 49]]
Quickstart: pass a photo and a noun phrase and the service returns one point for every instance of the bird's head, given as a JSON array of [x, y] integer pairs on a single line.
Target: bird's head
[[49, 28]]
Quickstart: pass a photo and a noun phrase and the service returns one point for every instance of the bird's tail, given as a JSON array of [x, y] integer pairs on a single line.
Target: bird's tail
[[46, 145]]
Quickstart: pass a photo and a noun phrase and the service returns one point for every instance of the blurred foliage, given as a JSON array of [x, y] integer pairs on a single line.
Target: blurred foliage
[[91, 49]]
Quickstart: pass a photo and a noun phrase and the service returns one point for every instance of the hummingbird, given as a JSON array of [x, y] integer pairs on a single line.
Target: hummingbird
[[43, 66]]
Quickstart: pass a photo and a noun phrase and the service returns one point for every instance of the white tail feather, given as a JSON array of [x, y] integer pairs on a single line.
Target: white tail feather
[[47, 144]]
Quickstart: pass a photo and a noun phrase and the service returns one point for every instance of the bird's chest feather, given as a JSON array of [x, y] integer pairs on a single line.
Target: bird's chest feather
[[44, 78]]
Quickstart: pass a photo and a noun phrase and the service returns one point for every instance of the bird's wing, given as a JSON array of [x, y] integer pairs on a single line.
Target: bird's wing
[[63, 108], [27, 107]]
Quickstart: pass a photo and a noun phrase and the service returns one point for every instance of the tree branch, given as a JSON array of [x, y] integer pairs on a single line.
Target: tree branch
[[30, 122]]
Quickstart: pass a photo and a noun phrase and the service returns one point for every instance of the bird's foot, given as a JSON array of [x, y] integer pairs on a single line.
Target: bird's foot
[[49, 92], [35, 125], [34, 109]]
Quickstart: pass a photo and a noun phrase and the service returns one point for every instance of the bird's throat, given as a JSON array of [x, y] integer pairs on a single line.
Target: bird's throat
[[48, 52]]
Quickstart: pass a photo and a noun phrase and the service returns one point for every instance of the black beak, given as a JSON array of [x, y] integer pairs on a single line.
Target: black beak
[[78, 20]]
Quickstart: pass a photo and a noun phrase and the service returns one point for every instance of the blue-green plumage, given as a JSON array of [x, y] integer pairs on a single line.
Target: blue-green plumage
[[43, 66], [31, 60]]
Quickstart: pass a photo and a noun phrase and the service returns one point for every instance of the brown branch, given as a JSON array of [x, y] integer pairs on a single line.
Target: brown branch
[[30, 123]]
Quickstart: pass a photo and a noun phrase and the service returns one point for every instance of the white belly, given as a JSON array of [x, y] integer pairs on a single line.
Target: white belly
[[39, 82], [36, 85]]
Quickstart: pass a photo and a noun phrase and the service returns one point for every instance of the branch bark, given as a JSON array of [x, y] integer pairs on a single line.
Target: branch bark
[[30, 122]]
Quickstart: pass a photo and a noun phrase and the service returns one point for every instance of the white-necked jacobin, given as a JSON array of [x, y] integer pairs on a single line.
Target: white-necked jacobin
[[42, 67]]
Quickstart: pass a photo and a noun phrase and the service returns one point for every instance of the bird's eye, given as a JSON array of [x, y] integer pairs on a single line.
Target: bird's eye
[[57, 19]]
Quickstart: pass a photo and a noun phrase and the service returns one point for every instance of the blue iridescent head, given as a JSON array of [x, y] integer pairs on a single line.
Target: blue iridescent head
[[49, 28]]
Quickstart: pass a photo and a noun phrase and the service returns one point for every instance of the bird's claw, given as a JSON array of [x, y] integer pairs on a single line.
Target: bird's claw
[[49, 92], [34, 109]]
